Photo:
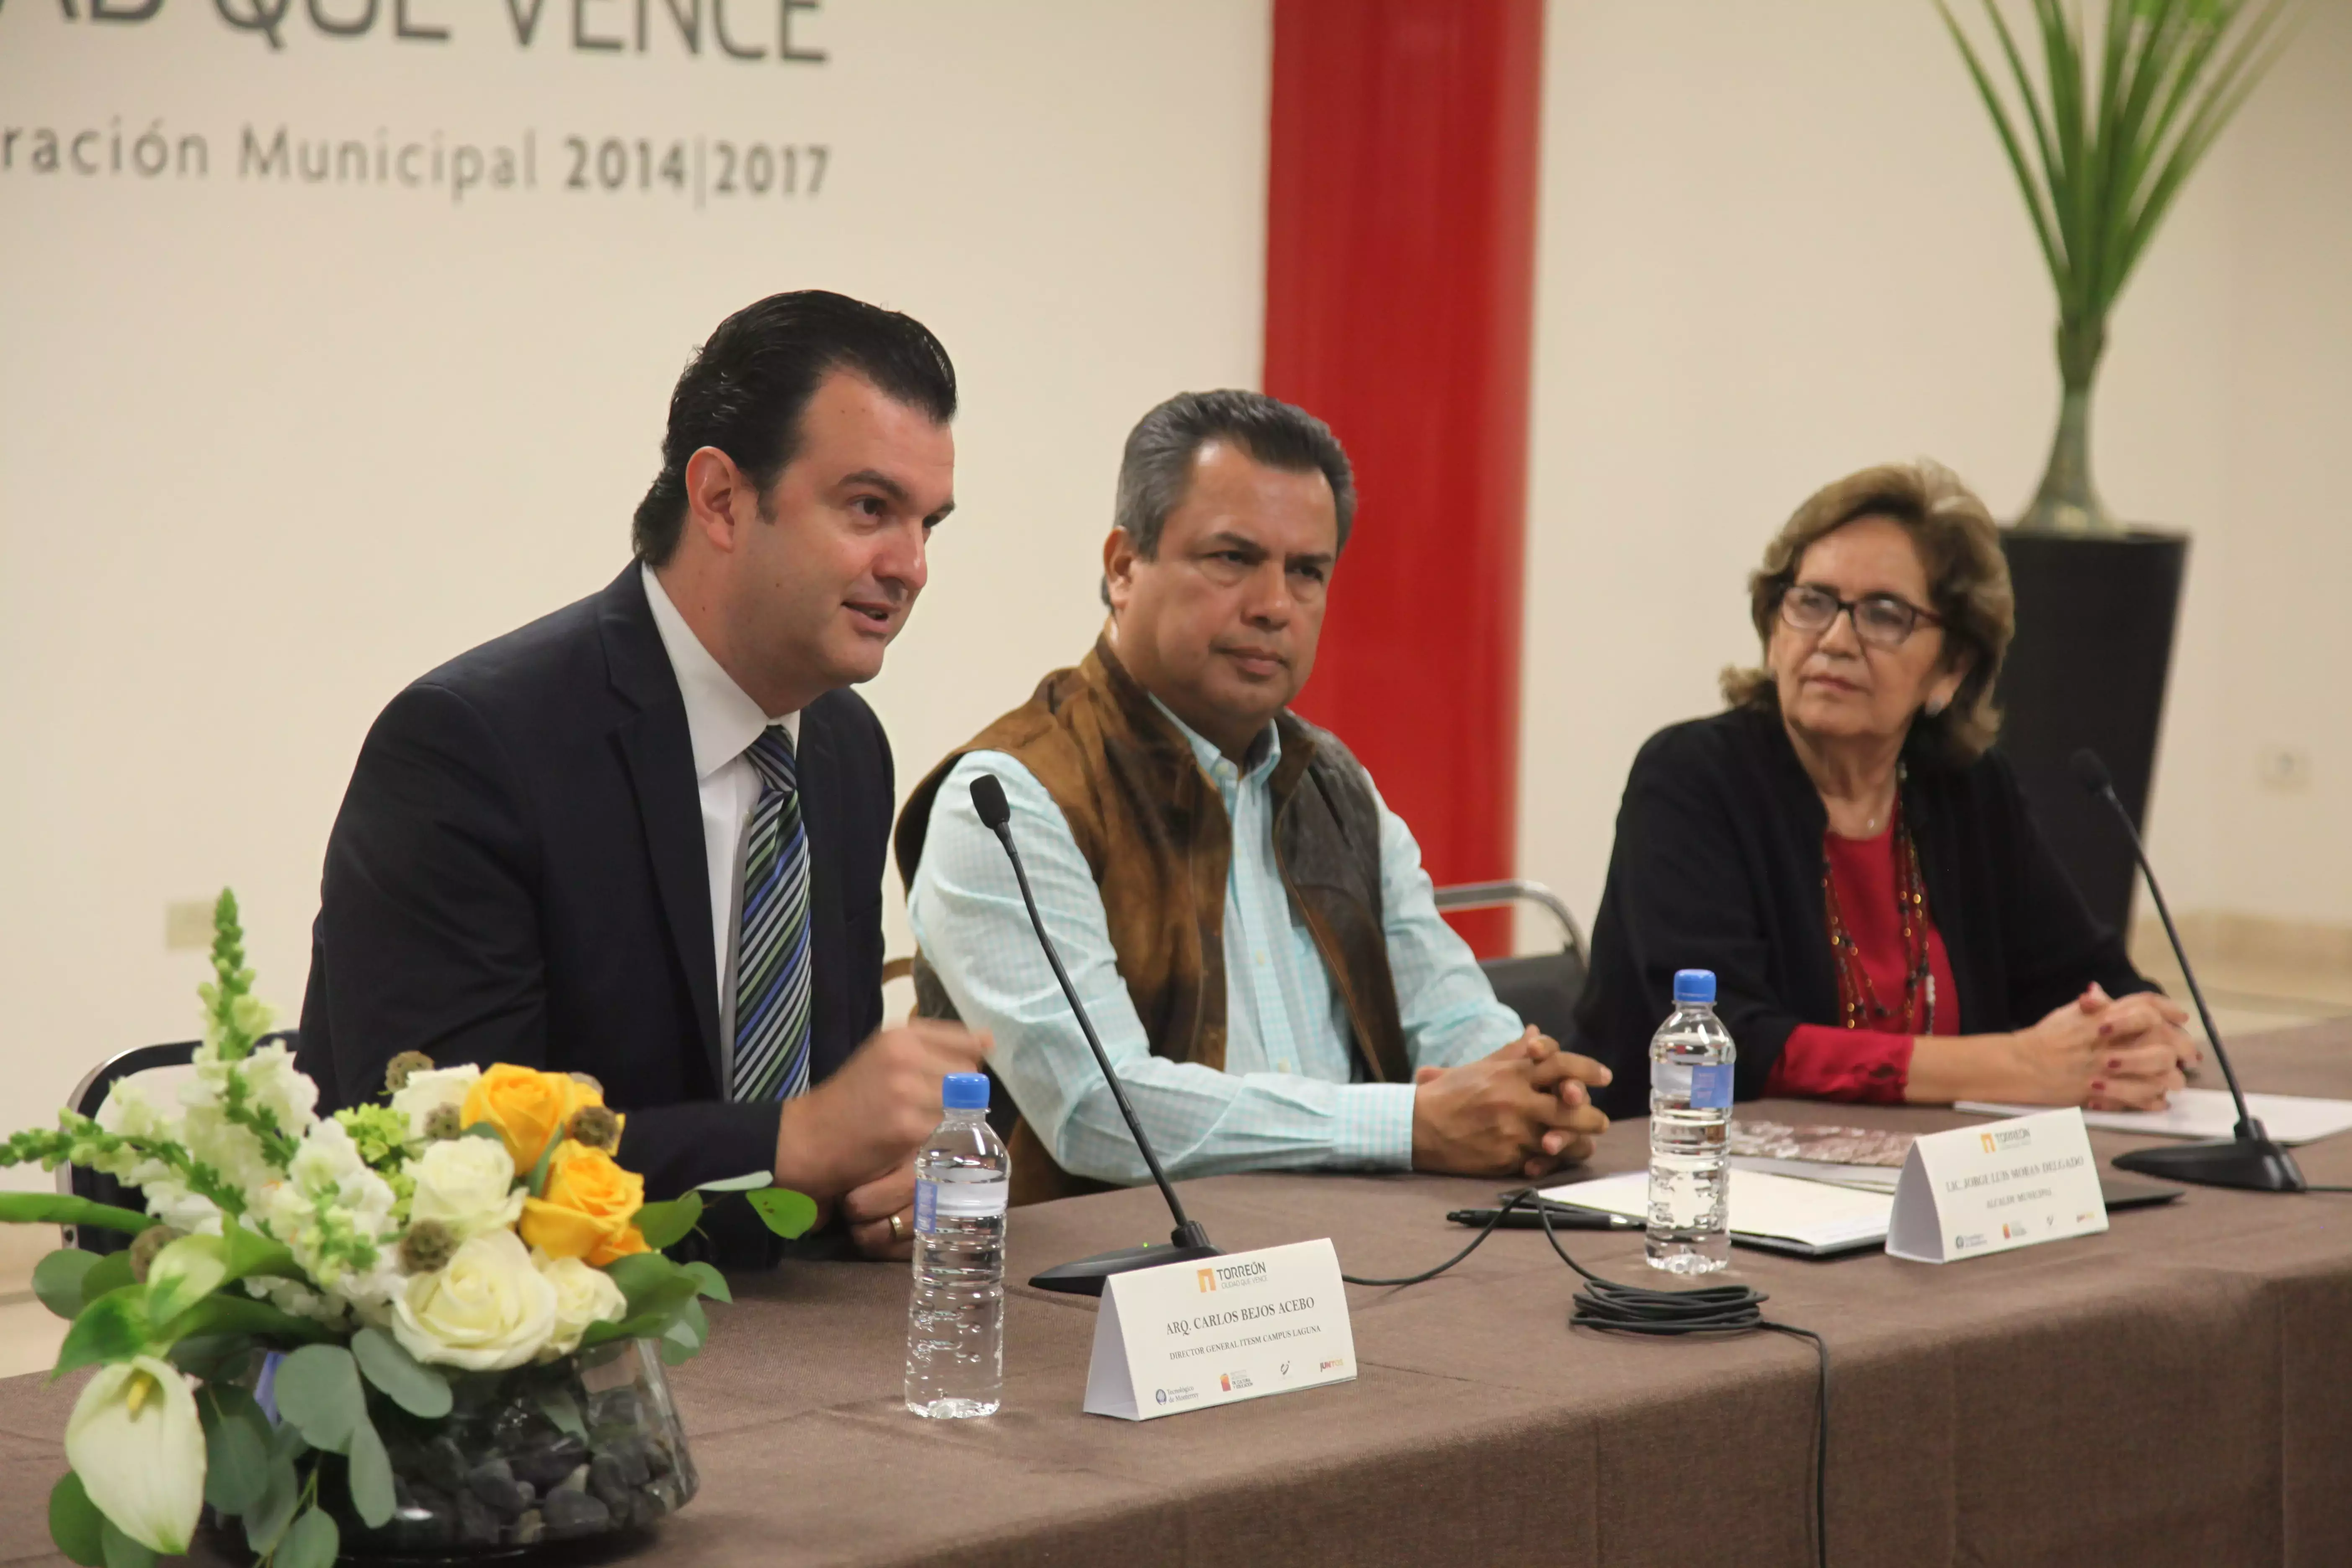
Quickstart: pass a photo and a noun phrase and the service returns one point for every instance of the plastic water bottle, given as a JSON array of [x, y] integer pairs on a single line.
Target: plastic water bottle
[[1690, 1116], [955, 1319]]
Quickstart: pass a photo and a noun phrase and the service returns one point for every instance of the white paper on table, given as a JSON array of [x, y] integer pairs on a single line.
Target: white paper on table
[[1813, 1212], [1868, 1178], [2207, 1113]]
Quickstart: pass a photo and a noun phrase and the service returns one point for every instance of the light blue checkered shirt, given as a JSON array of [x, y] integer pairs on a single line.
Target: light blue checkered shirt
[[1285, 1101]]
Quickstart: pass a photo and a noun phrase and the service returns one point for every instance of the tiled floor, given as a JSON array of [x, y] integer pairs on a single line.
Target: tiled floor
[[2245, 998]]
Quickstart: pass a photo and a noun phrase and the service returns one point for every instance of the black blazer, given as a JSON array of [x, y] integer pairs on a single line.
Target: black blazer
[[1717, 865], [518, 875]]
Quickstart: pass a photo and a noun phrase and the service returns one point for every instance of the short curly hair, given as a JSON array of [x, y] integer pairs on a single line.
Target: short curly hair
[[1967, 585]]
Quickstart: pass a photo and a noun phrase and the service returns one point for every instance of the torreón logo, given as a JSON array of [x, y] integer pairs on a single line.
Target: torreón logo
[[737, 29]]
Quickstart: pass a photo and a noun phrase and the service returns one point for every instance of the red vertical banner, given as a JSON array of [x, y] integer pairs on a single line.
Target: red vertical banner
[[1399, 297]]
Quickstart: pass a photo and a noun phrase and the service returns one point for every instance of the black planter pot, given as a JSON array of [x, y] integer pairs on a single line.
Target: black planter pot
[[2088, 667]]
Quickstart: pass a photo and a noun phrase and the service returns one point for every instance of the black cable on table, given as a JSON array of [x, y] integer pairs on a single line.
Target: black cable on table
[[1612, 1308]]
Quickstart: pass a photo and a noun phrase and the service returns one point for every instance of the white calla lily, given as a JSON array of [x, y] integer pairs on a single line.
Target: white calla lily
[[135, 1440]]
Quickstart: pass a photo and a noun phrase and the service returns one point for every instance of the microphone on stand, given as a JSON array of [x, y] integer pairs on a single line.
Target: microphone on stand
[[2247, 1159], [1188, 1241]]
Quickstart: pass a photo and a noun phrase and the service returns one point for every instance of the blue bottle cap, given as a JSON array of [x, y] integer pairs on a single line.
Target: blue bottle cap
[[968, 1090], [1694, 985]]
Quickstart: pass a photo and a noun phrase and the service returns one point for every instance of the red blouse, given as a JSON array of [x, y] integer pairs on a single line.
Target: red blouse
[[1826, 1061]]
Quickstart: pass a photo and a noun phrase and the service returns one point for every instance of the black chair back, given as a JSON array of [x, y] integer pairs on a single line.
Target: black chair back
[[1541, 988]]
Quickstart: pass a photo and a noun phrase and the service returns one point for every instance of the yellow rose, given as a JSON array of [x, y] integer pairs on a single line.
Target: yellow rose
[[529, 1109], [586, 1208]]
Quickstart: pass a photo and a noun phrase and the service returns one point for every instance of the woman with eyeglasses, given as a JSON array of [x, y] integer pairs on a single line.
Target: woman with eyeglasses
[[1842, 849]]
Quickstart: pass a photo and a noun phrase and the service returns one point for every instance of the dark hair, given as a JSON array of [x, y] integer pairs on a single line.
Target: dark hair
[[744, 390], [1157, 467], [1967, 579]]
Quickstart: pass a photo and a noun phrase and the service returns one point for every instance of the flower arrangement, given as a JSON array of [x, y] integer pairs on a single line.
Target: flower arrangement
[[422, 1322]]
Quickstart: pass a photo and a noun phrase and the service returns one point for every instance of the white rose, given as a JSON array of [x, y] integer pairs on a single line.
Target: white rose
[[136, 1442], [428, 1091], [487, 1310], [467, 1183], [583, 1295]]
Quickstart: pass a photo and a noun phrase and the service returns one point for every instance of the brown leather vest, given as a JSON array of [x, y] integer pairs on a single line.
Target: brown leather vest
[[1153, 828]]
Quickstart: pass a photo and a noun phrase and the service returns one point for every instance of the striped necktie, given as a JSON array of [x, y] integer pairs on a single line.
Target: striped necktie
[[771, 953]]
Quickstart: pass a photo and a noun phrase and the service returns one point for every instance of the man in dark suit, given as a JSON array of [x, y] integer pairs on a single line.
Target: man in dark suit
[[643, 838]]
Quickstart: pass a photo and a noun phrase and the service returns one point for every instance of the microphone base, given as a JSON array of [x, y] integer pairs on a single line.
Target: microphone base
[[2256, 1164], [1086, 1276]]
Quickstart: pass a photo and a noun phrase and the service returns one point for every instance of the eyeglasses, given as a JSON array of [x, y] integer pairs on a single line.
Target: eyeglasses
[[1881, 620]]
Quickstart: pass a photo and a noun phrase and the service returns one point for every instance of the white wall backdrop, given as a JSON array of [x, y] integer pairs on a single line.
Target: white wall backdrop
[[1778, 243], [270, 448]]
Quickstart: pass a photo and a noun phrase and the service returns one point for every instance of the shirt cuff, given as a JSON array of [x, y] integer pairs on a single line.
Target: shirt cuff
[[1375, 1130], [1823, 1062]]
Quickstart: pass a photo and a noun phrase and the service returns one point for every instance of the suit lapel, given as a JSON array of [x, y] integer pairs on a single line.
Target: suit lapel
[[659, 753], [820, 780]]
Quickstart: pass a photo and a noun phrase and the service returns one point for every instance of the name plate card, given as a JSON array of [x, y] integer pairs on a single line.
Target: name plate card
[[1185, 1336], [1978, 1190]]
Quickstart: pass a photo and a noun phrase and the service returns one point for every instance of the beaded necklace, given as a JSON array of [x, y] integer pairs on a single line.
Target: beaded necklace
[[1858, 1002]]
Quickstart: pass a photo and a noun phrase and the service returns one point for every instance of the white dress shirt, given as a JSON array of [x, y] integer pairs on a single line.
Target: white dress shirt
[[722, 721]]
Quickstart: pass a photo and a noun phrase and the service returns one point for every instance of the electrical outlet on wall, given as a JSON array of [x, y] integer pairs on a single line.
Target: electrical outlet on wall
[[187, 923], [2286, 768]]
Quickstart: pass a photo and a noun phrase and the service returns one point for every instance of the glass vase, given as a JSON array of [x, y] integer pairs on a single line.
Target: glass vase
[[526, 1463]]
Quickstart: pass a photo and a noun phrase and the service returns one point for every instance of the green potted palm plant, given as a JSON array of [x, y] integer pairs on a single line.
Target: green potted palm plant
[[2102, 144]]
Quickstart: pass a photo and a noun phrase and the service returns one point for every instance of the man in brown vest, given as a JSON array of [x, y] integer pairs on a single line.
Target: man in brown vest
[[1249, 925]]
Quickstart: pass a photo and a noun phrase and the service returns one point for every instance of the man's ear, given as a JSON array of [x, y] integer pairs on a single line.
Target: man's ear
[[716, 491], [1118, 568]]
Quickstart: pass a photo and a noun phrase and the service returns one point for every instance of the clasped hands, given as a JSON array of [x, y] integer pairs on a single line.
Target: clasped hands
[[1524, 1111], [2106, 1055]]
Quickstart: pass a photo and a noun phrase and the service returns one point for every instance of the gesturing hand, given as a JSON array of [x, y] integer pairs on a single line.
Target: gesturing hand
[[870, 1209], [1524, 1111], [871, 1116]]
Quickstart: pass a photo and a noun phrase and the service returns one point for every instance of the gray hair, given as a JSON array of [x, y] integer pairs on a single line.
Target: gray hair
[[1156, 470]]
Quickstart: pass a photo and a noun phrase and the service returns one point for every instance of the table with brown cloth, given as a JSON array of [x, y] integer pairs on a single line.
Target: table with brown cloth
[[2176, 1391]]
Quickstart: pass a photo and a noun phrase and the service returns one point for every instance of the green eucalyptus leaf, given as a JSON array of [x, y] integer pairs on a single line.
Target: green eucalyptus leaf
[[483, 1130], [265, 1521], [183, 1274], [237, 1453], [57, 1281], [312, 1541], [787, 1212], [319, 1391], [644, 1327], [555, 1403], [63, 1208], [75, 1524], [405, 1381], [713, 1283], [286, 1443], [652, 1283], [667, 1224], [369, 1475], [676, 1352], [112, 1327], [745, 1182], [121, 1552]]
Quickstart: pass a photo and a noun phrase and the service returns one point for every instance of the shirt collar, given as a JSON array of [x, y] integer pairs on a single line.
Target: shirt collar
[[1269, 743], [720, 718]]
